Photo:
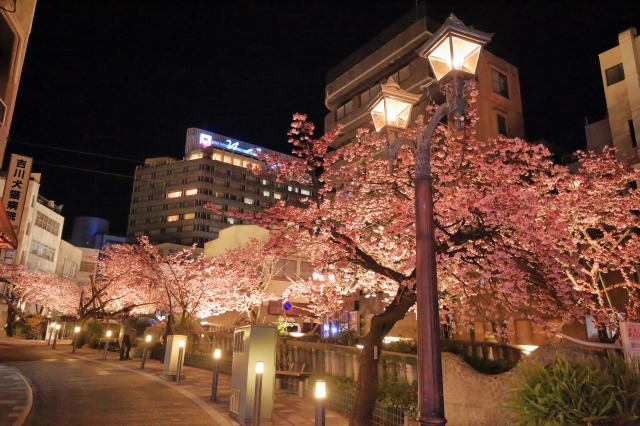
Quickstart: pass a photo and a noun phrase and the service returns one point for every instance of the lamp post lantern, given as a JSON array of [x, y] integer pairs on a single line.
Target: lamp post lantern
[[453, 52]]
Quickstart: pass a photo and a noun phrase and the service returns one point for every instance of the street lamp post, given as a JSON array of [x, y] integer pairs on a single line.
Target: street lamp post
[[321, 394], [257, 395], [52, 327], [217, 353], [76, 331], [147, 340], [453, 52], [56, 330], [106, 344]]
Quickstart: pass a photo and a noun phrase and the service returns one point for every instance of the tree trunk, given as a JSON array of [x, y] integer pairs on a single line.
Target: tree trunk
[[367, 384], [11, 316]]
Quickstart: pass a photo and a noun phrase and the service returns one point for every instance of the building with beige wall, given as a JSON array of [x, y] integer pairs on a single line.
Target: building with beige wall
[[293, 266], [352, 84], [16, 18], [69, 260], [619, 68]]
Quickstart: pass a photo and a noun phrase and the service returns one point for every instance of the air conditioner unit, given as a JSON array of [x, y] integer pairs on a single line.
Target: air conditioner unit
[[3, 112]]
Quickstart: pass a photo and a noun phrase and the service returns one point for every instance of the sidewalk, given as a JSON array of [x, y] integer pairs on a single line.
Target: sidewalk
[[288, 410], [15, 397]]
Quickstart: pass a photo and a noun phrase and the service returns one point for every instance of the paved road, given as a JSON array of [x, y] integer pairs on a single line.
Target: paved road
[[76, 391]]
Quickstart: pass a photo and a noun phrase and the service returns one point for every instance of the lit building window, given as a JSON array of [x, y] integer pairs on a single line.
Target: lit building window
[[265, 182], [305, 192], [277, 196], [174, 194], [237, 162], [173, 218], [216, 156], [231, 220], [248, 200], [227, 159], [188, 216], [192, 191], [195, 156], [266, 193]]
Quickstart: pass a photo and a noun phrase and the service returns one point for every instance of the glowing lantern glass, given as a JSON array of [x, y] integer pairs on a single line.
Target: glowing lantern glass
[[454, 47], [392, 106]]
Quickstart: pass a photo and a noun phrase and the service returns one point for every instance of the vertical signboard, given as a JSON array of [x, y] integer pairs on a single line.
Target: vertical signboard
[[630, 336], [15, 189]]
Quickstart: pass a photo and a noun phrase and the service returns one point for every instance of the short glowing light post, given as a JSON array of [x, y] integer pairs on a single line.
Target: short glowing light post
[[55, 335], [321, 394], [51, 328], [147, 340], [217, 353], [106, 344], [76, 331], [257, 398], [453, 52], [180, 355]]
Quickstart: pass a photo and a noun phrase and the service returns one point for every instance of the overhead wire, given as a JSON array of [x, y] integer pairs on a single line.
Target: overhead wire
[[85, 170], [111, 157], [75, 151]]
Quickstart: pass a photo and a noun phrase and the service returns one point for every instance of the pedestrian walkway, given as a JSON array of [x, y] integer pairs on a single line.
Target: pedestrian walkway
[[15, 397], [288, 410]]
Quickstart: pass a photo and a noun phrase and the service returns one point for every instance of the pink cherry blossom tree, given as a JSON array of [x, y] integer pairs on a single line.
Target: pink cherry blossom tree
[[28, 292], [515, 233], [242, 277]]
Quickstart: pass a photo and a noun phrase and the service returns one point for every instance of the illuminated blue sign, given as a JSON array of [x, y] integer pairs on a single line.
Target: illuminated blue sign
[[207, 140]]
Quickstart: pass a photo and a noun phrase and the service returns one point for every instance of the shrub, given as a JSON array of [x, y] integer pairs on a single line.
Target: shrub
[[583, 392], [400, 395], [402, 346]]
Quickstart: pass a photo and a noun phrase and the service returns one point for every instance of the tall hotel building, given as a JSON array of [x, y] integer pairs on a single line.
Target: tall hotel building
[[169, 195]]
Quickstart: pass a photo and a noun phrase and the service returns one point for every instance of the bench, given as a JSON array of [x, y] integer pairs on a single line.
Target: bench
[[114, 344], [292, 369]]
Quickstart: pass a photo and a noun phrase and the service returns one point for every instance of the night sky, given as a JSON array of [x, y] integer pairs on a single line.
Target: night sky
[[123, 80]]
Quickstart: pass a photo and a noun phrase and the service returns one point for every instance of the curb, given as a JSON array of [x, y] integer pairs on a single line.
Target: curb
[[27, 408]]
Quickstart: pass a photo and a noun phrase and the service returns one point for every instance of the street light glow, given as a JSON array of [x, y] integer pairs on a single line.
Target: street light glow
[[217, 353], [109, 333], [321, 389], [148, 338], [259, 367]]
